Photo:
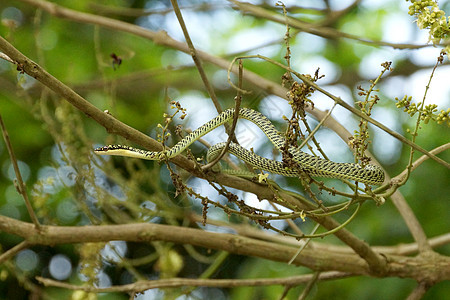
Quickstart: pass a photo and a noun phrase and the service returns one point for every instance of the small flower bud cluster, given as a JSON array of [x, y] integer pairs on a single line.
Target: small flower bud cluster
[[164, 136], [428, 113], [430, 16], [443, 117]]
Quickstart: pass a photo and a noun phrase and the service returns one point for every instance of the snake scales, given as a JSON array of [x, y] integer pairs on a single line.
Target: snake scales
[[314, 166]]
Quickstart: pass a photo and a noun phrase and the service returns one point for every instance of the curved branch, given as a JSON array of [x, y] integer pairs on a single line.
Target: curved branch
[[430, 268]]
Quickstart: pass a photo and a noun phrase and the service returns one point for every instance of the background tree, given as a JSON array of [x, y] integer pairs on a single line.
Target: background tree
[[360, 72]]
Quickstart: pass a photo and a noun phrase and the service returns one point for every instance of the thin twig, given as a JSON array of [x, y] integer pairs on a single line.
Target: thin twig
[[195, 57], [213, 267], [421, 107], [419, 291], [231, 134], [209, 88], [419, 161], [313, 132], [230, 163], [304, 244], [141, 286], [13, 251], [404, 208], [309, 286], [20, 185], [325, 32]]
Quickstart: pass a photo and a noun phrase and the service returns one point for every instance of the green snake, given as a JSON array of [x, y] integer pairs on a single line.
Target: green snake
[[313, 165]]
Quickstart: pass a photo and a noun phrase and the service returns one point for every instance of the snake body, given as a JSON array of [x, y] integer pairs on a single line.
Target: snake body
[[314, 166]]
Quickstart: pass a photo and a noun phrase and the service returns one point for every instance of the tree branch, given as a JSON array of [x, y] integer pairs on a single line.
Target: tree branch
[[148, 232], [142, 286], [13, 251], [195, 58], [405, 210], [252, 232], [325, 32], [431, 268]]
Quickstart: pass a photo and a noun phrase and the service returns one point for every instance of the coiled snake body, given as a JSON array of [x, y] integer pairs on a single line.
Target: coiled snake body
[[314, 166]]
